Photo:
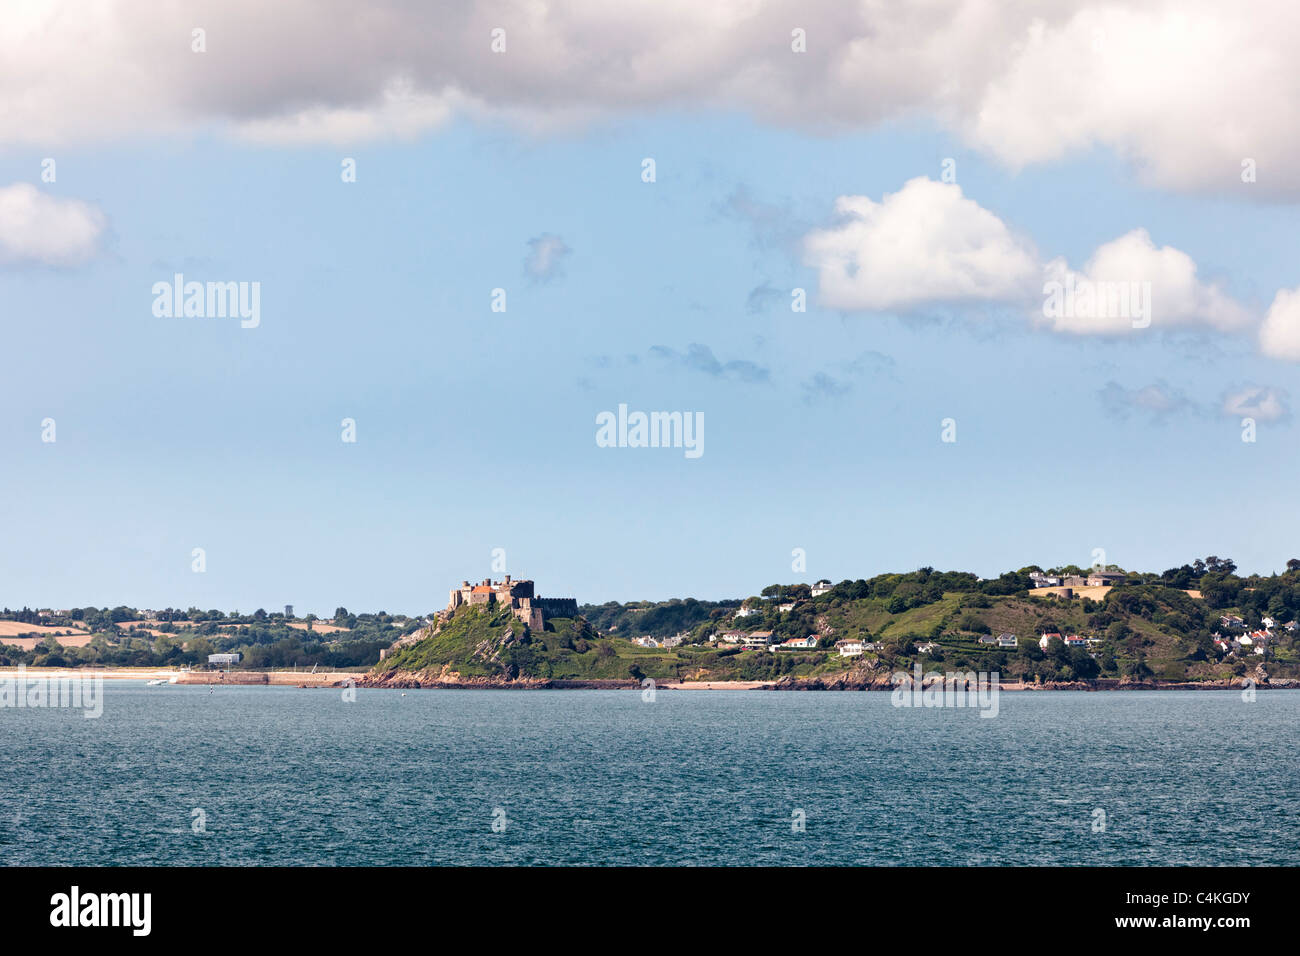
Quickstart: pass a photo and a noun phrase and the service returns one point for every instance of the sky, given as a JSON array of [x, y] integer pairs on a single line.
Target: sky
[[920, 175]]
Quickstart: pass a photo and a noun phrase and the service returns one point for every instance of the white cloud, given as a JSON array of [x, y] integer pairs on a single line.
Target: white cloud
[[927, 243], [1177, 297], [1265, 404], [1185, 89], [924, 243], [1279, 336], [39, 229]]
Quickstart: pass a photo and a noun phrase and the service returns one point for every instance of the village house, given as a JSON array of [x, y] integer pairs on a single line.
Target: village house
[[797, 644], [732, 637], [821, 587], [988, 639], [1047, 637], [1268, 623], [851, 647], [1041, 580], [747, 611], [1076, 581], [1007, 640], [784, 608], [1074, 640], [929, 647], [1231, 620]]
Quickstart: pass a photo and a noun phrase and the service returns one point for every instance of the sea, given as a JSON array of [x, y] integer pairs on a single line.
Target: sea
[[187, 775]]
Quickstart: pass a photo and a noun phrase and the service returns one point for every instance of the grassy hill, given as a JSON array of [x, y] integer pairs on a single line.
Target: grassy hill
[[1148, 627]]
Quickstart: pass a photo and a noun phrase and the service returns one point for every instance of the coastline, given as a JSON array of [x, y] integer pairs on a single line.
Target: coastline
[[426, 681]]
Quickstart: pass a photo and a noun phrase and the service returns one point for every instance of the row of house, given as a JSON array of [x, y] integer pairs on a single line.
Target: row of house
[[1233, 622], [1069, 640]]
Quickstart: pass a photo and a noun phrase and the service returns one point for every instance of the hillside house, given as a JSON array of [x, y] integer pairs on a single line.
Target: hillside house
[[852, 647], [821, 587], [1007, 640], [1047, 637], [797, 643]]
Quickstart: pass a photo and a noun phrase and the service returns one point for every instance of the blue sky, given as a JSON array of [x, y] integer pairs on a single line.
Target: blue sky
[[476, 430]]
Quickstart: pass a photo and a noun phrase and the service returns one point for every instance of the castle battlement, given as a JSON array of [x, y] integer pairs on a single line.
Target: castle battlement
[[517, 595]]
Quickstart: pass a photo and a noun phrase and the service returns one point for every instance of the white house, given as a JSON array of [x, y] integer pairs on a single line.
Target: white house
[[852, 647], [798, 644], [821, 587], [223, 660], [1046, 638], [746, 611], [1007, 640], [1074, 640], [929, 647]]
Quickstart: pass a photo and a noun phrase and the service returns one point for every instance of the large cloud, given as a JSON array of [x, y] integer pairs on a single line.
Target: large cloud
[[924, 243], [1162, 284], [929, 244], [38, 229], [1185, 88]]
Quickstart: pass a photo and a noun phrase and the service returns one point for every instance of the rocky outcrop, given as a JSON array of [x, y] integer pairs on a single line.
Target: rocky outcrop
[[448, 679], [868, 675]]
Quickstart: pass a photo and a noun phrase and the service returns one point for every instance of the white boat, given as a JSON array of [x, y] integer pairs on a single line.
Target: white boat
[[156, 681]]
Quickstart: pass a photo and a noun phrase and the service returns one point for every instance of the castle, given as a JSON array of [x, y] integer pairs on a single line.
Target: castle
[[518, 596]]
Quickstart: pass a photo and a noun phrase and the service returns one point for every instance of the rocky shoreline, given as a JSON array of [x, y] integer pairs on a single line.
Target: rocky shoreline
[[447, 679], [858, 679]]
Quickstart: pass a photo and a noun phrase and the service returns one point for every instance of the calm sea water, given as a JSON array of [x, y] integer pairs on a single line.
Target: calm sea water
[[290, 776]]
